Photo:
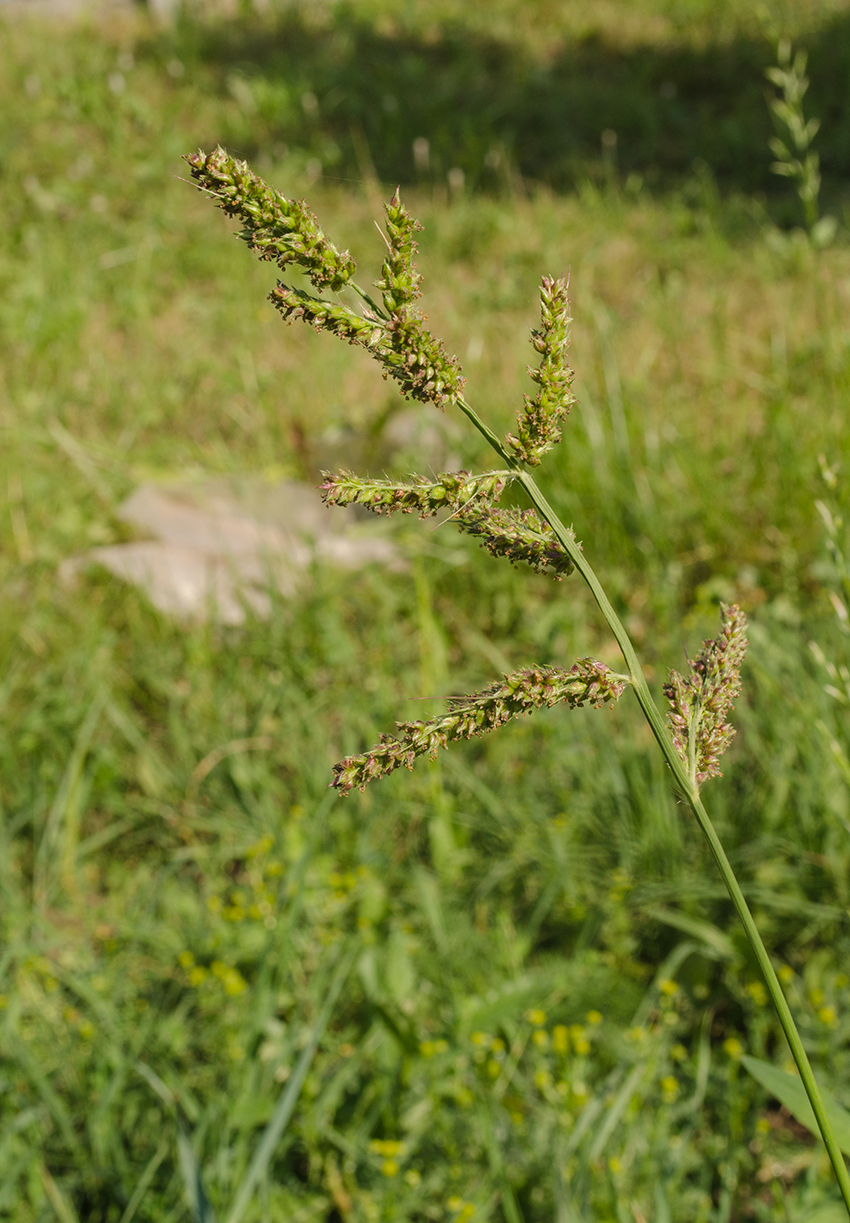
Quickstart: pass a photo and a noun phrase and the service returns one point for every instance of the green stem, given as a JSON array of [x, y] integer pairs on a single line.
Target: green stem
[[690, 792], [373, 305]]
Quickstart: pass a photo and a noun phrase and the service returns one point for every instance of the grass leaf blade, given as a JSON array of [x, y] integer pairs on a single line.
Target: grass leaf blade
[[286, 1105], [789, 1090]]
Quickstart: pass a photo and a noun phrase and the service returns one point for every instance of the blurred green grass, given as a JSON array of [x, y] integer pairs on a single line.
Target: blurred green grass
[[164, 924]]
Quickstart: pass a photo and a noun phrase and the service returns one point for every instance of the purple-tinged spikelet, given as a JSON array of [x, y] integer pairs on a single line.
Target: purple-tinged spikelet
[[700, 703], [587, 682], [518, 535]]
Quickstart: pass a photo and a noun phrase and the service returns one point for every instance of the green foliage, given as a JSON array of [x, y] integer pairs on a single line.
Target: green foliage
[[546, 871]]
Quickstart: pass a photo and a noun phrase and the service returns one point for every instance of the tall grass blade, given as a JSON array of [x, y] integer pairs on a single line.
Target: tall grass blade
[[193, 1185], [286, 1105], [64, 1210], [144, 1181], [789, 1090]]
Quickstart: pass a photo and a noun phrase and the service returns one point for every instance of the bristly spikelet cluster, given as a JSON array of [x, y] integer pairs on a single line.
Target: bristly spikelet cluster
[[587, 682], [418, 361], [395, 334], [539, 423], [284, 231], [453, 490], [700, 703], [400, 280], [518, 535]]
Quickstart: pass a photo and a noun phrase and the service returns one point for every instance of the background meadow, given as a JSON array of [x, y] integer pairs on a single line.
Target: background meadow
[[522, 977]]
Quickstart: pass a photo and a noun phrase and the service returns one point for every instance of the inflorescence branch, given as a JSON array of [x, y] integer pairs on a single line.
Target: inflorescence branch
[[700, 703], [586, 682], [539, 423], [518, 535], [415, 358], [281, 230], [286, 232]]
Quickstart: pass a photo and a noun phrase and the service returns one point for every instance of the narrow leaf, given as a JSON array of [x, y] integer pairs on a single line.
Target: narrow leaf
[[286, 1105], [789, 1090]]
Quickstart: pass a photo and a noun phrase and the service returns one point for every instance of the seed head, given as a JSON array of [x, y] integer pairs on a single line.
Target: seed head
[[587, 682], [278, 229], [539, 423], [519, 535], [700, 702]]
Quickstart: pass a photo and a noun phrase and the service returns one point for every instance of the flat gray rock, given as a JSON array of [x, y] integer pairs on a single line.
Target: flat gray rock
[[220, 548]]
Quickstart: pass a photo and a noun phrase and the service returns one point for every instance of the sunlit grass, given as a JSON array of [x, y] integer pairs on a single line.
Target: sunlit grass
[[501, 899]]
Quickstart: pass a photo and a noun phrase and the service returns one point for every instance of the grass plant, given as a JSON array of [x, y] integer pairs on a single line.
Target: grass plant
[[550, 1001], [394, 333]]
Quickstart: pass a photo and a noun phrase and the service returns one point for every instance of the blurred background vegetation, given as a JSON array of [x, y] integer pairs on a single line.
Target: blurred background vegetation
[[547, 996]]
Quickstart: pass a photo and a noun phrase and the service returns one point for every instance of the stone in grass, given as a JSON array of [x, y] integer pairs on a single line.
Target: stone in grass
[[220, 548]]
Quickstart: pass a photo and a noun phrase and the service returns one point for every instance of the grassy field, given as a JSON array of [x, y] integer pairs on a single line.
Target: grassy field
[[526, 990]]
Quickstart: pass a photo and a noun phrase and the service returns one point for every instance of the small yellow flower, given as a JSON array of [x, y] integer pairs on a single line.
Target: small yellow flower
[[842, 980], [493, 1068], [454, 1204], [389, 1167], [426, 1048], [638, 1035], [185, 959], [785, 974], [678, 1053], [542, 1079], [733, 1047], [816, 997], [467, 1212], [541, 1038], [668, 987], [273, 869], [614, 1164], [498, 1046], [480, 1038], [86, 1030], [757, 992], [670, 1087], [537, 1017], [198, 975], [441, 1046], [560, 1038], [828, 1015], [413, 1177], [594, 1017], [582, 1046], [763, 1125]]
